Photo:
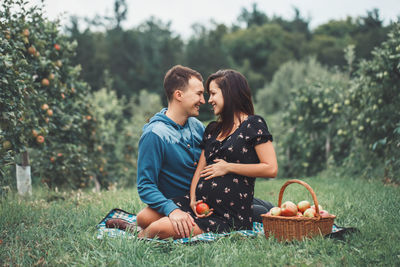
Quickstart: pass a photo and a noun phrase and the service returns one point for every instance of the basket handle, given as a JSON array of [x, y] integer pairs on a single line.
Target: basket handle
[[306, 186]]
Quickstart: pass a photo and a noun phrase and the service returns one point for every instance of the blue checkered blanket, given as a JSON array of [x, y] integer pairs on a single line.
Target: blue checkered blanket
[[206, 237]]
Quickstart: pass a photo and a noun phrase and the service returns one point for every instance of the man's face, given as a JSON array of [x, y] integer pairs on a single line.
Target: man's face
[[193, 97]]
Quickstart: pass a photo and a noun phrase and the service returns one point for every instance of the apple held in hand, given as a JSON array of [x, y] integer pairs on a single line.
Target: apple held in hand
[[275, 211], [202, 208], [303, 205], [310, 213], [288, 209]]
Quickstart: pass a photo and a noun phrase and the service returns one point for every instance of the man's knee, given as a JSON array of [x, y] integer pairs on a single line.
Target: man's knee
[[146, 216], [159, 229]]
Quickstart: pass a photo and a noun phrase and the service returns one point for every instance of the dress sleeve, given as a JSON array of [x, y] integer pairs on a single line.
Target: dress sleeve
[[257, 131], [207, 135]]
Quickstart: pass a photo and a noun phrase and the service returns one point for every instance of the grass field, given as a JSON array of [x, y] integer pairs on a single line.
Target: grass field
[[59, 229]]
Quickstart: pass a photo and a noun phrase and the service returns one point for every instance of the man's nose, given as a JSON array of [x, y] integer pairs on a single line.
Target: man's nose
[[202, 101]]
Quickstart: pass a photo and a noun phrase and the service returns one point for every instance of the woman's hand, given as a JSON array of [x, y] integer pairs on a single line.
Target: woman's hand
[[193, 205], [221, 167]]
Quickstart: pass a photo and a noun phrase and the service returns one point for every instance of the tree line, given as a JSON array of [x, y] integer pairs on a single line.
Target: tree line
[[256, 44]]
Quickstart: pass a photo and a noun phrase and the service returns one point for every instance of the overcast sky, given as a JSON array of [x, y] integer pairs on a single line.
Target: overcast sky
[[182, 14]]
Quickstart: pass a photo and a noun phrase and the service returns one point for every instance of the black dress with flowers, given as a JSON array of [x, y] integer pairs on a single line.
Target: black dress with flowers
[[231, 195]]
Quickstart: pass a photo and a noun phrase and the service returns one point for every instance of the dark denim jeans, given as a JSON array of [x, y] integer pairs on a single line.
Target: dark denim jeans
[[260, 207]]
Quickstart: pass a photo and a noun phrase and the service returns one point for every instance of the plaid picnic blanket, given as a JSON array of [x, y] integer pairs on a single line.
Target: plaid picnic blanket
[[206, 237]]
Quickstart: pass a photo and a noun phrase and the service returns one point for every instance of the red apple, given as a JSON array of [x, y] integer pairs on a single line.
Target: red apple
[[319, 207], [275, 211], [45, 82], [40, 139], [25, 32], [202, 208], [303, 205], [32, 50], [45, 107], [35, 133], [288, 209], [324, 213], [310, 213]]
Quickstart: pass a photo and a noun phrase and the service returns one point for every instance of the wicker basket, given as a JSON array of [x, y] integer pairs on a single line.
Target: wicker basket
[[289, 228]]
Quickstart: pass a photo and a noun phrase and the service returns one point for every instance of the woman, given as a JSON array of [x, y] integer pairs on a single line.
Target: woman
[[235, 149]]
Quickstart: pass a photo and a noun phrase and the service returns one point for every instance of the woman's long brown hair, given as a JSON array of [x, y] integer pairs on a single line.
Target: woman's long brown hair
[[237, 99]]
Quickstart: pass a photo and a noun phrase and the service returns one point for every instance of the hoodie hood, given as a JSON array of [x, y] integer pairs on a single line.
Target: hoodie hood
[[161, 117]]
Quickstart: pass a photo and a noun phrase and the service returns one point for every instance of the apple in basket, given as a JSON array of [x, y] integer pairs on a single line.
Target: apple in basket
[[324, 213], [303, 205], [299, 214], [288, 209], [319, 207], [310, 213], [275, 211]]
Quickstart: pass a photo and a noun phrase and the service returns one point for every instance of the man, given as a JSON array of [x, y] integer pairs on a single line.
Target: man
[[168, 153]]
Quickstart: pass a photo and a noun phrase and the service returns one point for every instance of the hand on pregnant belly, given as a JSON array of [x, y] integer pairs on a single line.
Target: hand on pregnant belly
[[219, 168]]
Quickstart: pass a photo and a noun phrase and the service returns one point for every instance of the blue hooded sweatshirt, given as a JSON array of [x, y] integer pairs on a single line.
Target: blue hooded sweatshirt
[[168, 156]]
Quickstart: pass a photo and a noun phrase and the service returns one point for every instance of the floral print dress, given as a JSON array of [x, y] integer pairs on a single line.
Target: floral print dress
[[231, 195]]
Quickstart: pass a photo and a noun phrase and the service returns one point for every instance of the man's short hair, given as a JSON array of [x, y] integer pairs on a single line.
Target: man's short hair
[[177, 78]]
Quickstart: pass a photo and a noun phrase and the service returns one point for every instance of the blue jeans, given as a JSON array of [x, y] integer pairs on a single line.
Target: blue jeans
[[260, 207]]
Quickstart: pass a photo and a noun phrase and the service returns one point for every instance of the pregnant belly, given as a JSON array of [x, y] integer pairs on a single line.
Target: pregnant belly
[[218, 191]]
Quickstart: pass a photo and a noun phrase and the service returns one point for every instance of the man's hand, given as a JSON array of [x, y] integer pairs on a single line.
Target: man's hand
[[182, 222]]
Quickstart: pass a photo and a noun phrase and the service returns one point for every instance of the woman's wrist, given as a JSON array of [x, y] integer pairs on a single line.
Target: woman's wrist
[[230, 167]]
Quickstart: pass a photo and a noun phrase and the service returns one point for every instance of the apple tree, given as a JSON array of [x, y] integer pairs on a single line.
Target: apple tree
[[375, 102], [44, 104], [317, 133]]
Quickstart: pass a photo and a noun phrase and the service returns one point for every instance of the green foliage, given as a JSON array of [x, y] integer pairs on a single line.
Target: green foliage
[[275, 96], [317, 129], [331, 120], [257, 45], [329, 39], [265, 47], [375, 102], [117, 138], [143, 56]]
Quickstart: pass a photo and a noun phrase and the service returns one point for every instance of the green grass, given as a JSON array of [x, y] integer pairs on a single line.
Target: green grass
[[49, 230]]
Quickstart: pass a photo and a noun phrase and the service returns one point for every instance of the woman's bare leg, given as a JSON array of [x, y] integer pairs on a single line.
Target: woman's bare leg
[[163, 228], [147, 216]]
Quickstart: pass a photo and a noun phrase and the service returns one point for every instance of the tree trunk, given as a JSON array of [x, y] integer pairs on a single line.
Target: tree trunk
[[24, 181], [25, 159], [327, 149]]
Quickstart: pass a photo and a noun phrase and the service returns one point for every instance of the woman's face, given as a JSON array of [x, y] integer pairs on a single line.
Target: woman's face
[[216, 98]]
